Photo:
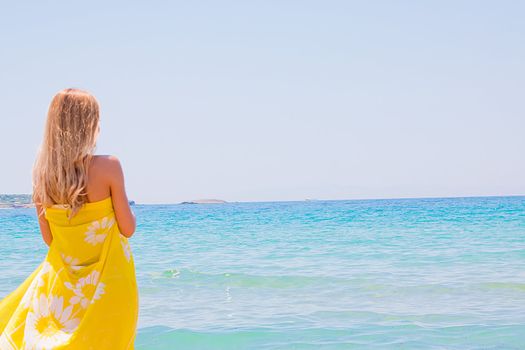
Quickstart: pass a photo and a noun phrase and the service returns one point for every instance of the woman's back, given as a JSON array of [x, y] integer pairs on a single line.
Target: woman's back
[[84, 294], [99, 179], [105, 179], [80, 240]]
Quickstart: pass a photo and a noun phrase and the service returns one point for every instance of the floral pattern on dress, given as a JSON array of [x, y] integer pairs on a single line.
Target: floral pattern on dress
[[6, 343], [98, 230], [125, 247], [87, 289], [71, 262], [35, 284], [69, 295], [49, 324]]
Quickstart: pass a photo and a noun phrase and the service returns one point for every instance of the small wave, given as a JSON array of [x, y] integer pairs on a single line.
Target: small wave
[[193, 277], [246, 280], [505, 285]]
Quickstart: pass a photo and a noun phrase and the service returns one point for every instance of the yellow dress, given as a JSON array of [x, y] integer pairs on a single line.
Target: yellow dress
[[83, 295]]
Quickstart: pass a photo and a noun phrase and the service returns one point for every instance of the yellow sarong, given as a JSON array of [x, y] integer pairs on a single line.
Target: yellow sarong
[[83, 295]]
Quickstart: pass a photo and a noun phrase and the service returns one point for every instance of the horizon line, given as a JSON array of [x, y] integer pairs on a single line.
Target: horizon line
[[347, 199], [310, 199]]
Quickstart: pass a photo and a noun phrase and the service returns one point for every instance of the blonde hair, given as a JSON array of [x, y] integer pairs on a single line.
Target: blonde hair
[[60, 171]]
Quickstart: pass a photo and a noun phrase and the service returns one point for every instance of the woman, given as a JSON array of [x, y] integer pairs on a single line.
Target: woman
[[84, 294]]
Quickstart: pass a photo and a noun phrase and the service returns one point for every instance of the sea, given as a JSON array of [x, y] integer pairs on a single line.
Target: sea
[[440, 273]]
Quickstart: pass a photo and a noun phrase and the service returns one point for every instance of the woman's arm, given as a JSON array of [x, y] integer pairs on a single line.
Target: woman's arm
[[44, 226], [125, 217]]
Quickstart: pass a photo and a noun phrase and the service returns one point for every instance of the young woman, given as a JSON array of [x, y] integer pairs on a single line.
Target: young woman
[[84, 294]]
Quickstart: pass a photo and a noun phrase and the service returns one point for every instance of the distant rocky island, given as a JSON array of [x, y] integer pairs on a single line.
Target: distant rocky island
[[15, 201], [205, 201], [21, 201], [10, 201]]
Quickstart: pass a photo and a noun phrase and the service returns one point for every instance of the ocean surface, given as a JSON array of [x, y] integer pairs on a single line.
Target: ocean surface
[[366, 274]]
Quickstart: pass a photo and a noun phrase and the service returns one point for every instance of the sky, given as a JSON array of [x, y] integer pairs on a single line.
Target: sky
[[276, 100]]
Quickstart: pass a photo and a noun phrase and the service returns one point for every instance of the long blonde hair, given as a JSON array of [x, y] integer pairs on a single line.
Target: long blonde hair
[[60, 171]]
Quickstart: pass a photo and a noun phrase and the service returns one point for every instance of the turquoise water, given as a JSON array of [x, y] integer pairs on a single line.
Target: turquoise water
[[371, 274]]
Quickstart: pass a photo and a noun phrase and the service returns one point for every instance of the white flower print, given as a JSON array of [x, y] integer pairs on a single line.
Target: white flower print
[[6, 343], [98, 292], [48, 324], [98, 230], [71, 262], [125, 247], [87, 289], [35, 284]]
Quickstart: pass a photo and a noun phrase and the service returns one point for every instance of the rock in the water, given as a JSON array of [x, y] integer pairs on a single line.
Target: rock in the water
[[205, 201]]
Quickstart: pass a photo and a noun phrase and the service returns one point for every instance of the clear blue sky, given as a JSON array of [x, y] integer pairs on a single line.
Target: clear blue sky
[[277, 100]]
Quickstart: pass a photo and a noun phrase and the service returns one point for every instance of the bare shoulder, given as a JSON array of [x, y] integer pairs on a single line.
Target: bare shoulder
[[107, 165], [106, 162], [110, 166]]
